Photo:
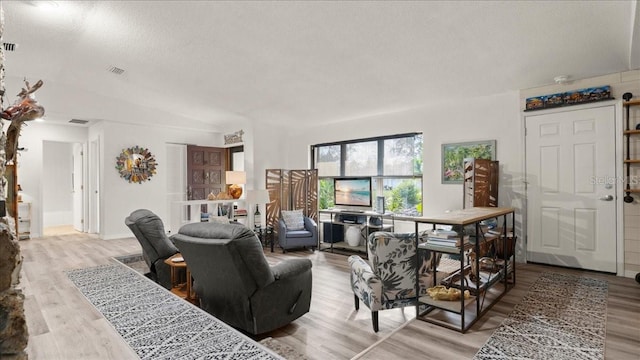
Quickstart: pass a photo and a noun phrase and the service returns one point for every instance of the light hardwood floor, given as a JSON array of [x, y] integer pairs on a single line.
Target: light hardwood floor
[[63, 325]]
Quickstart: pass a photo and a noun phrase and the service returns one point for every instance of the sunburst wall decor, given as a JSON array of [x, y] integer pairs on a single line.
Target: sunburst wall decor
[[136, 164]]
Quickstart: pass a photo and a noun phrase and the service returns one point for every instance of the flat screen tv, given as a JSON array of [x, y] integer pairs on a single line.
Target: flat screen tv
[[352, 191]]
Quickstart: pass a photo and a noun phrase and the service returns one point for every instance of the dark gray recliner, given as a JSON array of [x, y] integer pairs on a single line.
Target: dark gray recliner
[[236, 284], [156, 246]]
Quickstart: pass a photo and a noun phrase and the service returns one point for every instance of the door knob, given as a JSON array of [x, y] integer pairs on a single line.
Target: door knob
[[607, 198]]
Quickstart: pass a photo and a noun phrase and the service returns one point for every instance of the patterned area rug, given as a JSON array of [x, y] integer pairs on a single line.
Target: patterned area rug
[[561, 317], [282, 349], [134, 261], [137, 263], [157, 324]]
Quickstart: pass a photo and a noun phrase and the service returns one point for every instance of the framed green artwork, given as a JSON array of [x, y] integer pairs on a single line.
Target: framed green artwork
[[453, 156]]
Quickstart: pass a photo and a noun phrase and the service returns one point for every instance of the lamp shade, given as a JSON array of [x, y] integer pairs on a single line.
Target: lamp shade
[[258, 196], [236, 177], [263, 197]]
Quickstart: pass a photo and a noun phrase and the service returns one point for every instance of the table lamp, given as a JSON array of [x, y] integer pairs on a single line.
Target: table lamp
[[234, 179]]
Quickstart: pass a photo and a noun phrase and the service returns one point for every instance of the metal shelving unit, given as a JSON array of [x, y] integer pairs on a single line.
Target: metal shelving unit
[[367, 227], [480, 287]]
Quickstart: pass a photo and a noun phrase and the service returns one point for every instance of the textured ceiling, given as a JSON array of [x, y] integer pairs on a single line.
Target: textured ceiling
[[202, 64]]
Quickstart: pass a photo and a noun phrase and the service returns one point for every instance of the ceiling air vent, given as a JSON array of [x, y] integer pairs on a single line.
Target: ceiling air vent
[[78, 121], [115, 70], [9, 46]]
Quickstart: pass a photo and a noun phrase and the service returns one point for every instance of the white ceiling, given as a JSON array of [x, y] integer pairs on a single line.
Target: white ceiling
[[202, 63]]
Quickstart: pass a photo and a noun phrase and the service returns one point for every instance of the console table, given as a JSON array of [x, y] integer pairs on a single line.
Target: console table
[[188, 211], [363, 219], [479, 285]]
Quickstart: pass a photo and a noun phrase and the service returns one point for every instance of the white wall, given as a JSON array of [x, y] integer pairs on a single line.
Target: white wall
[[119, 197], [267, 147], [176, 180], [31, 170], [57, 191], [483, 118]]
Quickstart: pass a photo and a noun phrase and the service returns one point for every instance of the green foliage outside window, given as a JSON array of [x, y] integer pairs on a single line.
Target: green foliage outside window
[[404, 198], [326, 194]]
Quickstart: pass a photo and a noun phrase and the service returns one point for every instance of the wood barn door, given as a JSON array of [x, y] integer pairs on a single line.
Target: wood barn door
[[205, 171]]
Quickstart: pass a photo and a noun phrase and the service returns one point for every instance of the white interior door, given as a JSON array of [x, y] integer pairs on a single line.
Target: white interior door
[[78, 188], [94, 181], [571, 191]]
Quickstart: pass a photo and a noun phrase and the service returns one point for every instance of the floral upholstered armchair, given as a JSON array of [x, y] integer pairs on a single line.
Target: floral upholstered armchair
[[388, 279]]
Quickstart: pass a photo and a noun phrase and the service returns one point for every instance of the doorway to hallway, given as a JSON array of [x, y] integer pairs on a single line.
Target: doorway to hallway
[[63, 192]]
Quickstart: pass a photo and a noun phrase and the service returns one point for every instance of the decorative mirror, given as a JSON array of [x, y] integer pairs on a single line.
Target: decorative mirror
[[136, 164]]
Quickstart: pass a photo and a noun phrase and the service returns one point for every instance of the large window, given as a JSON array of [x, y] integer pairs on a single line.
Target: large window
[[361, 158], [328, 160], [403, 156], [394, 163]]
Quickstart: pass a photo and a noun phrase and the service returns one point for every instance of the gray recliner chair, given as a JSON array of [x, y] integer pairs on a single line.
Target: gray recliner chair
[[236, 284], [156, 246], [290, 239]]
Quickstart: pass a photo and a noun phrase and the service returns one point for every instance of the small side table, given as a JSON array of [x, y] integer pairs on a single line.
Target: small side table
[[184, 290], [265, 235]]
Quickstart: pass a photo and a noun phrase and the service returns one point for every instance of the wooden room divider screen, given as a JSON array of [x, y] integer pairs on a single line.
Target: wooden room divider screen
[[291, 190]]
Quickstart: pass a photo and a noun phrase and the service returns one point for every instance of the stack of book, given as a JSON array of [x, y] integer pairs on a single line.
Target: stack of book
[[448, 238], [204, 217], [499, 232]]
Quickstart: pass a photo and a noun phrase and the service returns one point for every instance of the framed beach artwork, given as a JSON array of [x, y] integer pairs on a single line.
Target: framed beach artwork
[[453, 156]]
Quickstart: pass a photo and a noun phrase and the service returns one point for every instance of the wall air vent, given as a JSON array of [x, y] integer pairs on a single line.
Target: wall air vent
[[115, 70], [9, 46], [78, 121]]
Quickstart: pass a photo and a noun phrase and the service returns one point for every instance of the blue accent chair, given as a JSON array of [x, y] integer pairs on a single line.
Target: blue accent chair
[[291, 239]]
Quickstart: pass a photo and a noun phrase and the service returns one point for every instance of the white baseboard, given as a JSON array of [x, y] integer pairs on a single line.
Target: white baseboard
[[117, 236]]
